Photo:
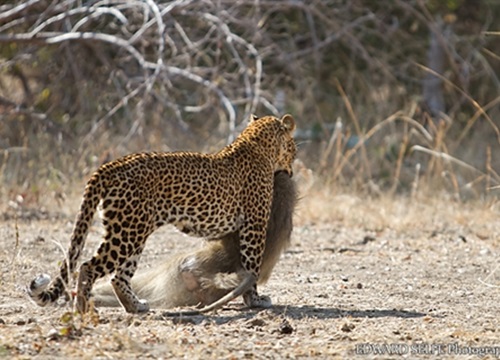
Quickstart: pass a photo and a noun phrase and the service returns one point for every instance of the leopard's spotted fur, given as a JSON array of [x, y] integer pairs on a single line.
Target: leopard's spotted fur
[[207, 195]]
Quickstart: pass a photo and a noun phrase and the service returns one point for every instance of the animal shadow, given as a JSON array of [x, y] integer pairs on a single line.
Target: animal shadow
[[292, 312], [307, 311]]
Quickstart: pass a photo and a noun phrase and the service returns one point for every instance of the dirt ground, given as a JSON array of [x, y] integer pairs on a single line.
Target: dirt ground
[[384, 278]]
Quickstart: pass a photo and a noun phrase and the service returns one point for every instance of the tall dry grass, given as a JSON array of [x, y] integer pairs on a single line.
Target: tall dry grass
[[99, 82]]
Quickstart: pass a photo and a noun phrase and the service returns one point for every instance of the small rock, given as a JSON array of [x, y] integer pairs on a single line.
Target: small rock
[[347, 327], [286, 328], [53, 334], [484, 251], [359, 286], [367, 239]]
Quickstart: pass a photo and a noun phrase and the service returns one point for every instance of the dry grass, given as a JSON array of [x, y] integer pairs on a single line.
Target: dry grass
[[401, 213]]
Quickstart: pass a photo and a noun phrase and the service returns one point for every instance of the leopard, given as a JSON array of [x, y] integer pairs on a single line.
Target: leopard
[[206, 195], [202, 276]]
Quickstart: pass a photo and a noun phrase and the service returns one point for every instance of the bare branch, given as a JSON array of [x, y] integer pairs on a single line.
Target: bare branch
[[209, 85], [12, 13], [56, 38]]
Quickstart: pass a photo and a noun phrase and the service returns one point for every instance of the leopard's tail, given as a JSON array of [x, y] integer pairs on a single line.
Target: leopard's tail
[[37, 290]]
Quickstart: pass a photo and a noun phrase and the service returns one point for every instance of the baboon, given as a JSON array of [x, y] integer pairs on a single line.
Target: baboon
[[204, 276]]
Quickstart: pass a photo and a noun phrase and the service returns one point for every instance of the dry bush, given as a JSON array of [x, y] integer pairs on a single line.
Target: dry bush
[[398, 96]]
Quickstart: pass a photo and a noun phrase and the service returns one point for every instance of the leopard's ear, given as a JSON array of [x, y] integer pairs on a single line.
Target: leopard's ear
[[288, 123], [253, 117]]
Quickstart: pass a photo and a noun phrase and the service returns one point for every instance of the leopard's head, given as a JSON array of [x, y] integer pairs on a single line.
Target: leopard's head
[[277, 133]]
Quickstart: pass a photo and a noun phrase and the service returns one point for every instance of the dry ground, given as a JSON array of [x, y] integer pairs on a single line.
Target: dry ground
[[383, 276]]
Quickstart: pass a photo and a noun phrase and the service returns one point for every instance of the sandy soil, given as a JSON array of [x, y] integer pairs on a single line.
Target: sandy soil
[[383, 279]]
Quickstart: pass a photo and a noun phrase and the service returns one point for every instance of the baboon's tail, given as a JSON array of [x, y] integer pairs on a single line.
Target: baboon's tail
[[93, 193]]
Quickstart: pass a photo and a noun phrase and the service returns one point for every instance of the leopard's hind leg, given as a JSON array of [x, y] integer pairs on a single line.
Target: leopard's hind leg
[[122, 288], [119, 253], [90, 272]]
